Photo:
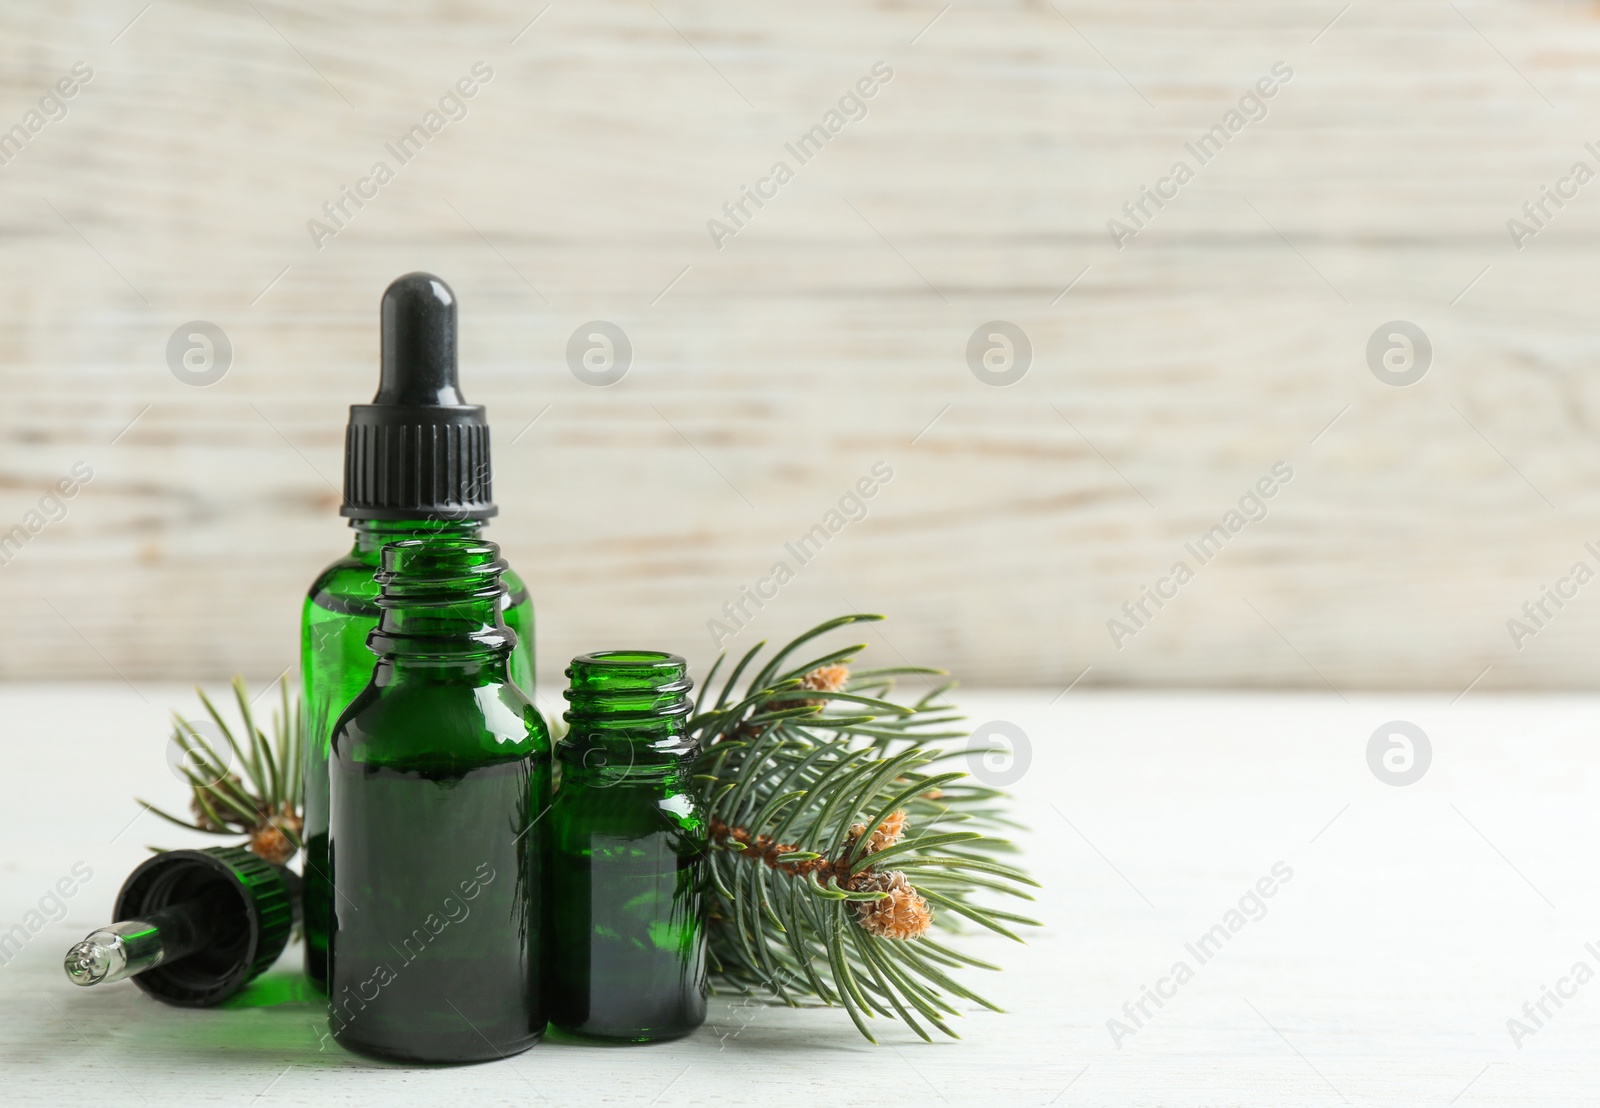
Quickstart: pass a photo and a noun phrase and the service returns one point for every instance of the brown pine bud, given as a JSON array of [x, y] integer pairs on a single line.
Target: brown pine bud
[[887, 833], [826, 678], [271, 843], [901, 915]]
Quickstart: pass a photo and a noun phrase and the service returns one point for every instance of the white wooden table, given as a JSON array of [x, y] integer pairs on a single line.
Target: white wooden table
[[1418, 919]]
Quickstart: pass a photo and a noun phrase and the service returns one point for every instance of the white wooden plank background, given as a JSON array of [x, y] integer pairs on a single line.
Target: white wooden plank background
[[1418, 920], [830, 333]]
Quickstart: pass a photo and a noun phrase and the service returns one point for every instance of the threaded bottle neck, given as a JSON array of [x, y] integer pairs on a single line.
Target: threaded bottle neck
[[627, 708], [372, 535], [440, 597]]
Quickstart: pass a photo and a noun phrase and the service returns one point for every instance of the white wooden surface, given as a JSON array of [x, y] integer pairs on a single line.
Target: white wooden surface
[[829, 334], [1417, 921]]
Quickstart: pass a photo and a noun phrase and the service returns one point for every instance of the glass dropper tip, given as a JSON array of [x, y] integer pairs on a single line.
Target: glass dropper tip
[[90, 962], [115, 952]]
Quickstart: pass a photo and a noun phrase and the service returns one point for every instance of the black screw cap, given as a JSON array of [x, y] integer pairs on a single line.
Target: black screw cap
[[255, 905]]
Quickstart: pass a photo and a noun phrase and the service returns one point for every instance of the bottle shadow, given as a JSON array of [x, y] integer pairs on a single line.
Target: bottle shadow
[[280, 1018]]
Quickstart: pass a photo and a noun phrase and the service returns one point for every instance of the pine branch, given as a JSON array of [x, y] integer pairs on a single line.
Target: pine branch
[[268, 808], [835, 848]]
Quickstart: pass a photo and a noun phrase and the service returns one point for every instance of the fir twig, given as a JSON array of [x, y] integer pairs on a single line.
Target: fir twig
[[267, 809], [833, 842]]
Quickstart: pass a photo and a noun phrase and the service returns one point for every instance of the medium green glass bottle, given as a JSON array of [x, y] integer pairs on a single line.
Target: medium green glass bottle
[[416, 465], [340, 612], [438, 847], [628, 863]]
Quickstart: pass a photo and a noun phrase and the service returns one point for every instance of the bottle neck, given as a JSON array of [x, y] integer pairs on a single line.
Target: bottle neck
[[372, 535], [627, 714], [440, 600], [474, 670]]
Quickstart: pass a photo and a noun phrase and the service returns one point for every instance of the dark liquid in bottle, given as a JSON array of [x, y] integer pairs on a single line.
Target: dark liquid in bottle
[[626, 886], [436, 937]]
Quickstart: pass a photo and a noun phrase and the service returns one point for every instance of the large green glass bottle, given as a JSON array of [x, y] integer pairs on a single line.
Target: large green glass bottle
[[439, 788], [627, 868], [416, 464]]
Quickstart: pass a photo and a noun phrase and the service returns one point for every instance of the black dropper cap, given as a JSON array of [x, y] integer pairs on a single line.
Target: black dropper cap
[[419, 450], [225, 916]]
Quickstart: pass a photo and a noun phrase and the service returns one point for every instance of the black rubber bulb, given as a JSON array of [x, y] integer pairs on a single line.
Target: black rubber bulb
[[419, 343]]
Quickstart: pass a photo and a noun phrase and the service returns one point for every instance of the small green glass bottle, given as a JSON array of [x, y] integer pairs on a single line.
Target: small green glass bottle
[[628, 865], [416, 465], [438, 849]]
